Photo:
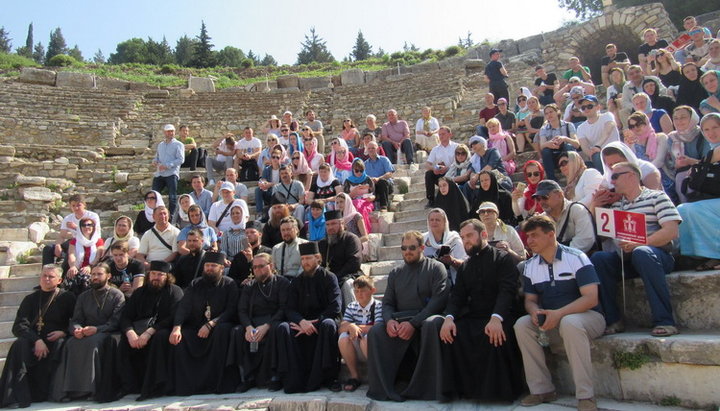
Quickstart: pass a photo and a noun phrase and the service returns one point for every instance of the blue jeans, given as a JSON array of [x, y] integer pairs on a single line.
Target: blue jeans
[[406, 147], [550, 155], [261, 197], [171, 182], [597, 162], [649, 263]]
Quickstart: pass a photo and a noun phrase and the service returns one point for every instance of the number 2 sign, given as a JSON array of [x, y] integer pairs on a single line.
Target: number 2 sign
[[621, 225]]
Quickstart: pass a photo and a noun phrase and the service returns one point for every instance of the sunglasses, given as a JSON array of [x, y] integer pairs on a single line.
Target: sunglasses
[[587, 107], [276, 157], [461, 153], [346, 121], [633, 125], [259, 266], [533, 174], [296, 158], [486, 211], [358, 171], [307, 139], [284, 131], [408, 247], [306, 129], [333, 143], [615, 176], [563, 163], [87, 225]]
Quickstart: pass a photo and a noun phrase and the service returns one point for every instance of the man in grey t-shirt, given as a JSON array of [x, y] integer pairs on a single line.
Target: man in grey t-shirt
[[294, 192]]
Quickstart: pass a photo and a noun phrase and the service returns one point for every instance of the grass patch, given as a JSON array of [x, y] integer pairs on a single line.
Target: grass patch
[[671, 401], [630, 360], [13, 62]]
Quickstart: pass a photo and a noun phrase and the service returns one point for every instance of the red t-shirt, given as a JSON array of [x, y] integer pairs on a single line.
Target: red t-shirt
[[86, 255]]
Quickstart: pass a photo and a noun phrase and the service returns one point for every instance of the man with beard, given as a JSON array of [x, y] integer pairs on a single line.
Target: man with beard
[[480, 356], [271, 230], [86, 367], [286, 255], [40, 326], [341, 254], [254, 233], [261, 309], [307, 343], [415, 293], [190, 265], [201, 331], [159, 242], [145, 322]]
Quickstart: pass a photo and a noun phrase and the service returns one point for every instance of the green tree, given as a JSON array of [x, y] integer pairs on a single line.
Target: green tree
[[129, 51], [158, 53], [314, 50], [380, 53], [39, 53], [27, 49], [203, 54], [99, 57], [76, 53], [57, 44], [230, 57], [184, 49], [362, 49], [5, 41], [252, 57], [411, 47], [268, 60]]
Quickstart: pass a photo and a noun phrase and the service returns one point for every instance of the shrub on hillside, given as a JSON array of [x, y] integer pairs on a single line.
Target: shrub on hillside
[[169, 69], [62, 60], [247, 63], [452, 51], [13, 61]]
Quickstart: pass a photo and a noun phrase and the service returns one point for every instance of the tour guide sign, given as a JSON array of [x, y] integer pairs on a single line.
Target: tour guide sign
[[621, 225]]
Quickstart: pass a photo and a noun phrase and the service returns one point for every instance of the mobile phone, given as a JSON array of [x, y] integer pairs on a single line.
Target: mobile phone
[[541, 319], [444, 250], [493, 243], [244, 243]]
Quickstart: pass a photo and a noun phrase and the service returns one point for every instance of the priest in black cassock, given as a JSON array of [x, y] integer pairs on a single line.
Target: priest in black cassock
[[145, 322], [40, 327], [87, 365], [261, 310], [481, 359], [416, 293], [201, 332], [341, 254], [308, 355], [190, 266]]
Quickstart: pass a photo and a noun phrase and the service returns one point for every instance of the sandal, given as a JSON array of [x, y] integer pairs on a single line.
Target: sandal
[[664, 331], [711, 264], [351, 385]]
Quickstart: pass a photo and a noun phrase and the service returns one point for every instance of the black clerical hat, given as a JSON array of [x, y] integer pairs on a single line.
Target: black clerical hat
[[213, 257], [160, 265], [333, 215], [309, 248], [253, 224], [278, 198]]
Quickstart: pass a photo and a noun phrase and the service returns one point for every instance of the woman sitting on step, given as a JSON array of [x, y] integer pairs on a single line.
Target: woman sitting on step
[[181, 219], [361, 190], [353, 220], [340, 159], [452, 201], [443, 244], [83, 253], [123, 231], [145, 220]]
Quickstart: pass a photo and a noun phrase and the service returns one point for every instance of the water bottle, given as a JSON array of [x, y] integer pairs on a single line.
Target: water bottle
[[126, 278], [542, 339], [253, 343]]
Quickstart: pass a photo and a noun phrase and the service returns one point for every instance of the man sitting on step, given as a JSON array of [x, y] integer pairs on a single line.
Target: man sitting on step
[[380, 170], [438, 162], [160, 242], [395, 137]]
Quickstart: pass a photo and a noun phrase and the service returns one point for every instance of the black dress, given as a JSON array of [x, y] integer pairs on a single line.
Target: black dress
[[454, 204], [142, 224]]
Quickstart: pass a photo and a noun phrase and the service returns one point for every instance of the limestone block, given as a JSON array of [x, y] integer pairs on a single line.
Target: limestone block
[[298, 403], [37, 231], [8, 151], [370, 248], [424, 67], [142, 87], [477, 64], [288, 81], [352, 76], [11, 250], [529, 43], [41, 194], [201, 84], [379, 75], [314, 83], [37, 76], [121, 177], [62, 160], [348, 404], [112, 84], [30, 181], [60, 183], [186, 93], [158, 94], [508, 46], [286, 90], [70, 79]]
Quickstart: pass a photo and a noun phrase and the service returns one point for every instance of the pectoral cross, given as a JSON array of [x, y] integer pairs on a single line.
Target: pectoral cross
[[208, 312], [40, 325]]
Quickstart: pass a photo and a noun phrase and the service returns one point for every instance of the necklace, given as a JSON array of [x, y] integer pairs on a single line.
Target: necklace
[[260, 287], [41, 311], [101, 306]]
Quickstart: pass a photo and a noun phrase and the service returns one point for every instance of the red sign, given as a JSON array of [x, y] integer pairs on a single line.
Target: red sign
[[679, 43], [621, 225]]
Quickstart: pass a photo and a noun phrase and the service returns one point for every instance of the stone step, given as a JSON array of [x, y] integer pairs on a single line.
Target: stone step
[[380, 267], [412, 215], [14, 234], [12, 252], [7, 313], [411, 205], [18, 283], [415, 193], [12, 298], [389, 253], [23, 270], [420, 225], [6, 329], [392, 239]]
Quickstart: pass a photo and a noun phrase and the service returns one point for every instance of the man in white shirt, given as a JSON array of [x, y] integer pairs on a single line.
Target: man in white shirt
[[159, 242], [225, 150], [438, 162], [231, 176], [247, 151], [597, 131], [286, 255], [426, 129], [219, 216]]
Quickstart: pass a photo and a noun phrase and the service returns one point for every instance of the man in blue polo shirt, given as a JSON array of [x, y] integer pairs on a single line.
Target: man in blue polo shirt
[[380, 170], [561, 298], [170, 155]]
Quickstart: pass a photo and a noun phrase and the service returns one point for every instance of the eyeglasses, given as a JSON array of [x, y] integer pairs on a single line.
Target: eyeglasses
[[633, 125], [461, 153], [563, 163], [87, 225], [358, 171], [305, 129], [284, 130], [271, 140], [256, 267], [346, 121], [587, 107], [533, 174], [307, 139], [334, 142], [541, 198], [276, 157], [615, 176], [408, 247], [296, 158], [486, 211]]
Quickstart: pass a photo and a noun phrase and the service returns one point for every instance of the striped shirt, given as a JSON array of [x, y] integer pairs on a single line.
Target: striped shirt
[[656, 206], [359, 315], [230, 242]]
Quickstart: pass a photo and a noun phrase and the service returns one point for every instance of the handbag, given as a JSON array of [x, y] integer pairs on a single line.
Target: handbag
[[705, 177]]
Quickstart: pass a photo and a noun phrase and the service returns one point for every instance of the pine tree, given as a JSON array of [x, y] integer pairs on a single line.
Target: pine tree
[[157, 53], [268, 60], [76, 54], [57, 44], [255, 59], [362, 49], [184, 50], [27, 49], [203, 54], [5, 41], [39, 53], [314, 50], [99, 57]]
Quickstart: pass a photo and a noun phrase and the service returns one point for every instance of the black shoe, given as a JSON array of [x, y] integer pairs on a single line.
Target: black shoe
[[245, 387], [275, 386], [335, 386]]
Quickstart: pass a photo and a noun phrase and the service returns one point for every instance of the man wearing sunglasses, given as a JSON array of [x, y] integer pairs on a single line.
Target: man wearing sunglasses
[[597, 131], [574, 221], [651, 262], [416, 293]]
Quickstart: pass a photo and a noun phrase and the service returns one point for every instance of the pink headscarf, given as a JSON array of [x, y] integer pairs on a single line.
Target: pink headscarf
[[341, 163], [649, 140]]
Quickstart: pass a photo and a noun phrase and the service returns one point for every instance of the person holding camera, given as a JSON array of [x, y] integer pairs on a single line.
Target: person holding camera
[[443, 244], [561, 299], [438, 162]]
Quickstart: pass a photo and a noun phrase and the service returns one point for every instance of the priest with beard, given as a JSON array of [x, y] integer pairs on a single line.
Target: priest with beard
[[308, 355], [190, 266], [201, 332], [145, 323], [481, 359], [87, 365], [341, 254], [40, 326], [261, 310]]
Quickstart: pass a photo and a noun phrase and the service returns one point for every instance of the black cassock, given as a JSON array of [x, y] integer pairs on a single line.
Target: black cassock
[[487, 283], [26, 379], [305, 362], [199, 363], [146, 370], [187, 268], [259, 304], [344, 257]]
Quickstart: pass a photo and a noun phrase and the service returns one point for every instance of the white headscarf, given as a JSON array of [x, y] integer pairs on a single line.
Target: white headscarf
[[448, 236], [183, 214], [149, 211], [324, 183], [241, 224], [526, 92], [349, 211], [645, 167], [81, 242]]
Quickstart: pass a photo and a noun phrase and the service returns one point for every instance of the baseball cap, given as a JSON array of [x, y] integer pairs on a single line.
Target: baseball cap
[[590, 97], [493, 51], [169, 127], [546, 187], [577, 90], [227, 186], [488, 205]]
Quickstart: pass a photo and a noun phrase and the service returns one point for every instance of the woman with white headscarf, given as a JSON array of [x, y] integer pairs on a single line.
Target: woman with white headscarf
[[659, 118], [443, 244], [617, 152], [122, 231], [340, 159], [353, 220], [84, 251], [687, 146], [145, 219], [181, 219], [197, 221]]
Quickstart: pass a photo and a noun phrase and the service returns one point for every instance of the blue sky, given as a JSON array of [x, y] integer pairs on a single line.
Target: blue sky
[[278, 27]]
